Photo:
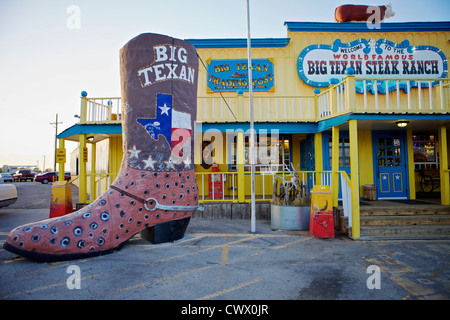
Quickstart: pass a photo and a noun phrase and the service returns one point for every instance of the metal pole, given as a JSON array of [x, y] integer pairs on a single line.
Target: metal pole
[[252, 129]]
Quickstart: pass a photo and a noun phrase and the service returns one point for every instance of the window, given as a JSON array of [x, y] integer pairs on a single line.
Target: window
[[389, 152], [344, 152], [426, 151], [264, 145]]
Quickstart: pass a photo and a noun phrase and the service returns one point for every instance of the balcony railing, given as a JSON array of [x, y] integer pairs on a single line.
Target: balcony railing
[[413, 96], [101, 110], [403, 96]]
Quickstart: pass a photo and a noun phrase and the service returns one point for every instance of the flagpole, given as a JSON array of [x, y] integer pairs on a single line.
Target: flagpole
[[252, 129]]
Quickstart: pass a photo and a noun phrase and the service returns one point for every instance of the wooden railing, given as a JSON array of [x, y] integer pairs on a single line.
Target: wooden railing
[[403, 96]]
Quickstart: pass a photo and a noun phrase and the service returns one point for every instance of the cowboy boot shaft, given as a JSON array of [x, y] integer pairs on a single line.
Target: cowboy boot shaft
[[159, 102]]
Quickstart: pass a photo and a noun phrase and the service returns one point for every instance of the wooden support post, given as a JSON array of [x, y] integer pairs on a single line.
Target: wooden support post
[[335, 164], [93, 188], [411, 173], [354, 172], [82, 162], [443, 165], [318, 154], [240, 166]]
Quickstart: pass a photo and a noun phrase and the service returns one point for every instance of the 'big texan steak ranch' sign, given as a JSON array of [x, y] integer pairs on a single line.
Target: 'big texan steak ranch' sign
[[232, 75], [321, 65]]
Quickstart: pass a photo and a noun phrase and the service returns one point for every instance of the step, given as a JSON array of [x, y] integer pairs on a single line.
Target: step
[[407, 220], [429, 232], [405, 210]]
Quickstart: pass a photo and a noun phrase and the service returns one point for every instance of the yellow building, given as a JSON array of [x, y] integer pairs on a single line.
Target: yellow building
[[351, 106]]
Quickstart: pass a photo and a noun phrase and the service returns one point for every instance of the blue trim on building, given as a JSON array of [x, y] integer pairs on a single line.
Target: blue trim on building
[[283, 128], [239, 43], [362, 26], [110, 128]]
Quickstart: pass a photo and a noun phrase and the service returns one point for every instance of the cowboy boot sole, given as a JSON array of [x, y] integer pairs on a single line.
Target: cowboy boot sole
[[165, 232]]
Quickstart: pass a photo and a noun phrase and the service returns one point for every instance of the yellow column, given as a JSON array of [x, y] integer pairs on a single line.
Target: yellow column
[[335, 164], [443, 165], [241, 114], [411, 173], [351, 93], [61, 164], [82, 162], [318, 154], [93, 187], [354, 172], [83, 109], [240, 161]]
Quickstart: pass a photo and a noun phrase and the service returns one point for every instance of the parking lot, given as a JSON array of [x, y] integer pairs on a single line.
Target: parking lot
[[222, 260]]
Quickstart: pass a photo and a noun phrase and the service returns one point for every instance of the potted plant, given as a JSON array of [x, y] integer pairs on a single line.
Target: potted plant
[[290, 207]]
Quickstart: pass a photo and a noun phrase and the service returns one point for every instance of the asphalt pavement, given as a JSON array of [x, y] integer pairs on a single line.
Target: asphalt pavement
[[223, 260]]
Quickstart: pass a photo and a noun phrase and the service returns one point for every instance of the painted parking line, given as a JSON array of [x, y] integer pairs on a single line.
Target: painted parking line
[[237, 287]]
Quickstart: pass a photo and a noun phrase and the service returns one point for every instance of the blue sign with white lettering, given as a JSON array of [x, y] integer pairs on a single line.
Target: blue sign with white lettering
[[232, 75], [321, 65]]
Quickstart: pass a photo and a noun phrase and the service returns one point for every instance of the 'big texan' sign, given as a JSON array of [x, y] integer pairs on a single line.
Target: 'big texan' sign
[[321, 65]]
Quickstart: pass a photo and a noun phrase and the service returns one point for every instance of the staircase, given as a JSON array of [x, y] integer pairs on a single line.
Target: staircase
[[409, 222]]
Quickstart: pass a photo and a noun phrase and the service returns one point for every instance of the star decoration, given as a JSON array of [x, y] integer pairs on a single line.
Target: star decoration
[[164, 109], [170, 164], [187, 162], [134, 153], [149, 163]]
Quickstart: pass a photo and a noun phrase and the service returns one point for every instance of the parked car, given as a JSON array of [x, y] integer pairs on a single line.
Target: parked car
[[8, 195], [6, 177], [23, 175], [47, 177]]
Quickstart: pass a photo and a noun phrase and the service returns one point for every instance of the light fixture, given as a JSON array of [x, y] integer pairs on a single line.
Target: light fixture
[[402, 123], [90, 139]]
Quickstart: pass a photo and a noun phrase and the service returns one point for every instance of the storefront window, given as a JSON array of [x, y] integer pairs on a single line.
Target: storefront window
[[426, 151], [344, 152], [264, 145]]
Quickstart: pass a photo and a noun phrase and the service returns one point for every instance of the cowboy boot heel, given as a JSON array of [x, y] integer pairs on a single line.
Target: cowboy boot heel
[[166, 232]]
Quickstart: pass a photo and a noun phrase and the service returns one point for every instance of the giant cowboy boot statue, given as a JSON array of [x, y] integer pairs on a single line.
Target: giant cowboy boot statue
[[156, 190]]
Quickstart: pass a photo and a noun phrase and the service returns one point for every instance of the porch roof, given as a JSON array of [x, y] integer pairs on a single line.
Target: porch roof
[[101, 130], [418, 122]]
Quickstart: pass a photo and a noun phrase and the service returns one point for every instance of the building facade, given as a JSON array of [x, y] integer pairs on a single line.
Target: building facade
[[351, 107]]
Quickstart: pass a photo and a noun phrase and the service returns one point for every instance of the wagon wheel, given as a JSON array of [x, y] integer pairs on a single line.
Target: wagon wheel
[[427, 184]]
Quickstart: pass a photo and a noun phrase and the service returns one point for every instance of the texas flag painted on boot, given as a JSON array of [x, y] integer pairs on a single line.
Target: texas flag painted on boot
[[174, 126]]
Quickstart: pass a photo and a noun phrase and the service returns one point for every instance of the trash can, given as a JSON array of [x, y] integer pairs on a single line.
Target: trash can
[[321, 224]]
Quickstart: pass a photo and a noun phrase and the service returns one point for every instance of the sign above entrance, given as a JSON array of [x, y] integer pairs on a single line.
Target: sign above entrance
[[320, 65], [232, 75]]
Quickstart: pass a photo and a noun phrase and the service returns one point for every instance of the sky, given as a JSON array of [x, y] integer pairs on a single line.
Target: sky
[[51, 50]]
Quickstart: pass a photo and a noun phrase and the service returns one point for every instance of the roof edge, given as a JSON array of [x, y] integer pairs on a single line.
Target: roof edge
[[362, 26], [239, 43]]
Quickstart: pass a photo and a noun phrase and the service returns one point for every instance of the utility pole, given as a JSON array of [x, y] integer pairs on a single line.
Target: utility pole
[[56, 139], [252, 128]]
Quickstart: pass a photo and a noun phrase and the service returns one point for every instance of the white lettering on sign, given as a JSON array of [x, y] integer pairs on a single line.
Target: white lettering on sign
[[170, 63], [321, 65]]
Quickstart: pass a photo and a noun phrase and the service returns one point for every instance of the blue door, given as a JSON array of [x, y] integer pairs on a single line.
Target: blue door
[[390, 165]]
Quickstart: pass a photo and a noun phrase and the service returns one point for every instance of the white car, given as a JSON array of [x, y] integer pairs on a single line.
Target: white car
[[6, 177], [8, 194]]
